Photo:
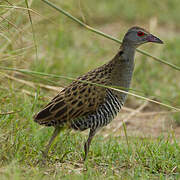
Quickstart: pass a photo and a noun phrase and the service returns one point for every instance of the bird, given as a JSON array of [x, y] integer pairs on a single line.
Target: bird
[[88, 103]]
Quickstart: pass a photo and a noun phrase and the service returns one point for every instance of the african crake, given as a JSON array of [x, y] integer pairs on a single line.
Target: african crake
[[83, 105]]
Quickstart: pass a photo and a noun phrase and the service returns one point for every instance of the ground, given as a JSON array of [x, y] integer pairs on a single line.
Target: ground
[[43, 40]]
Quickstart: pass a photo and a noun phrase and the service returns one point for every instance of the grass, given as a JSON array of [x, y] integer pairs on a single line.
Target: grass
[[64, 48]]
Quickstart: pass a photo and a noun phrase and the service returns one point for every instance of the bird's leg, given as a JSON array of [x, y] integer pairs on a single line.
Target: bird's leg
[[54, 135], [88, 142]]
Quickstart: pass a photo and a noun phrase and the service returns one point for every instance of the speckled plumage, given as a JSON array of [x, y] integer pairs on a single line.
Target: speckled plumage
[[80, 98], [83, 104]]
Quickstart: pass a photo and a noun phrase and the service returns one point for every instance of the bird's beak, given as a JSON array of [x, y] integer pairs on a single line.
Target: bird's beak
[[152, 38]]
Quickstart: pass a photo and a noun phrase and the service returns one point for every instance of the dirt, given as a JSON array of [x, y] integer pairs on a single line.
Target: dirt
[[142, 124]]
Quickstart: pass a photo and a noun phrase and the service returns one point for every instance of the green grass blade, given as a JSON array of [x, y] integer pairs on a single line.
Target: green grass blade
[[108, 36], [33, 32], [69, 78]]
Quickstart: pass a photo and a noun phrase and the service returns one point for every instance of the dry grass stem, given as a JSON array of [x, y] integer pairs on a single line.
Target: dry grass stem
[[10, 112], [34, 85]]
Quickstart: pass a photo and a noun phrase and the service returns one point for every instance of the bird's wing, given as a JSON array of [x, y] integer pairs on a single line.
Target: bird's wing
[[76, 100]]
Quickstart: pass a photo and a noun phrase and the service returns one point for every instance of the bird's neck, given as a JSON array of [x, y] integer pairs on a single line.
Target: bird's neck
[[127, 52], [122, 69], [124, 59]]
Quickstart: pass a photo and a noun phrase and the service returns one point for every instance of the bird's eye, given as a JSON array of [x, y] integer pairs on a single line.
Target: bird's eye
[[140, 33]]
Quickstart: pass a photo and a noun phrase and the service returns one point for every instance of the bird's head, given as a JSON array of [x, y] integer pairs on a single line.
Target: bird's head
[[137, 36]]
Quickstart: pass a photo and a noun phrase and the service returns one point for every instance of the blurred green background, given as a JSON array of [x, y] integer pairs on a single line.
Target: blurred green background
[[65, 48], [52, 43]]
